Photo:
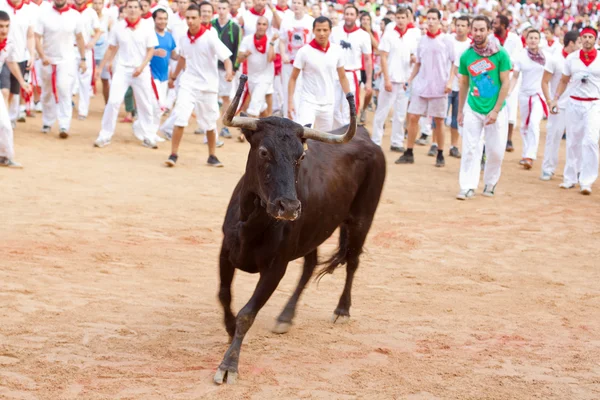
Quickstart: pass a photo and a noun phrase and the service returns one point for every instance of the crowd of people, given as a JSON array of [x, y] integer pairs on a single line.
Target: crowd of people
[[471, 66]]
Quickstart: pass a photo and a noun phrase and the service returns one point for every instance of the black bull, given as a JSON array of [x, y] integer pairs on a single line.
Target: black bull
[[288, 202]]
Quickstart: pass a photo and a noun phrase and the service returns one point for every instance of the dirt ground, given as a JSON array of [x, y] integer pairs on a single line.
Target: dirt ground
[[108, 283]]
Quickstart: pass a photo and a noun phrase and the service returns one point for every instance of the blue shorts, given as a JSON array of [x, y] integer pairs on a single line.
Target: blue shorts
[[453, 102]]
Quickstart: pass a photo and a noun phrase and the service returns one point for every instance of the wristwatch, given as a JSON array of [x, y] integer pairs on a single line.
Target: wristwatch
[[82, 58]]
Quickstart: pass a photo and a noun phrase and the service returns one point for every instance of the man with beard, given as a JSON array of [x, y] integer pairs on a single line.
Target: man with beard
[[56, 31], [484, 70], [532, 106], [582, 69], [557, 121]]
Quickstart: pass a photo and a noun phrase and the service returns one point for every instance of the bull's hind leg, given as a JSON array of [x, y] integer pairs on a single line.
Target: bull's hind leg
[[226, 271], [284, 321]]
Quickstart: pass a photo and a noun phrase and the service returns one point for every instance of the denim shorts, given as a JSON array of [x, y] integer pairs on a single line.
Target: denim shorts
[[453, 102]]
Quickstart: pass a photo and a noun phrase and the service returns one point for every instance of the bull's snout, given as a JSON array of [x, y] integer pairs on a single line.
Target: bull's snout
[[286, 209]]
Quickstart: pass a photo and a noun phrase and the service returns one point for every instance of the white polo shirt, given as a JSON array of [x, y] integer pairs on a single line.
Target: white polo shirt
[[319, 73], [20, 22], [90, 22], [201, 61], [133, 44], [399, 49], [577, 70], [353, 46], [259, 70], [531, 82], [58, 32], [295, 33]]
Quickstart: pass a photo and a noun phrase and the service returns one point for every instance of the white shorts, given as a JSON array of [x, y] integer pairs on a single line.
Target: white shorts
[[225, 87], [205, 103], [436, 107], [258, 93]]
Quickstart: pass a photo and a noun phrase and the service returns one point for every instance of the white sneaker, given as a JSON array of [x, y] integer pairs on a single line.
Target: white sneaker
[[7, 162], [166, 135], [13, 124], [101, 143], [150, 144], [199, 131], [488, 190], [38, 107], [158, 139], [566, 185], [586, 190], [22, 117], [465, 194], [546, 176]]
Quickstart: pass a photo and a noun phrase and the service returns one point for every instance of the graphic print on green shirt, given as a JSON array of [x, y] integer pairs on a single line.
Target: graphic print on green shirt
[[484, 78]]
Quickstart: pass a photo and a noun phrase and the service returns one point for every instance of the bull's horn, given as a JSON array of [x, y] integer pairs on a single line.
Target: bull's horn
[[229, 118], [326, 137]]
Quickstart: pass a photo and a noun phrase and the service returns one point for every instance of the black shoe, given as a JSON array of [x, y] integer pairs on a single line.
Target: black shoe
[[214, 162], [171, 161], [440, 161], [397, 149], [509, 146], [406, 159]]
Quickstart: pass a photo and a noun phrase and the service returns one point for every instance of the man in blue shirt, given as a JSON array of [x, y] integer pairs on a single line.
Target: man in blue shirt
[[159, 65]]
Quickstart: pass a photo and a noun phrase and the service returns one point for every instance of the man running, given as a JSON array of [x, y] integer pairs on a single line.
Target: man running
[[484, 70], [164, 52], [199, 54], [320, 63], [582, 69], [429, 86]]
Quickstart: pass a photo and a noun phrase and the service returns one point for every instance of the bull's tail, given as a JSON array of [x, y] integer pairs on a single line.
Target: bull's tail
[[338, 258]]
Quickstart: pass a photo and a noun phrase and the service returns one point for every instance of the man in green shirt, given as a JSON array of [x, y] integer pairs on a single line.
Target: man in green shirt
[[484, 84]]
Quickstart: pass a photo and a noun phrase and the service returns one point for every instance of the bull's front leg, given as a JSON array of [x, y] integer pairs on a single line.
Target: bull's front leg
[[268, 282]]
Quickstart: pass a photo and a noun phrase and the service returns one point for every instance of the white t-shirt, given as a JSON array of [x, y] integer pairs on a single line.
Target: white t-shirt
[[178, 27], [295, 34], [556, 66], [576, 69], [250, 20], [411, 37], [202, 57], [555, 48], [399, 50], [90, 22], [353, 46], [259, 70], [20, 22], [512, 44], [532, 74], [58, 31], [319, 73], [459, 49], [8, 54], [133, 44]]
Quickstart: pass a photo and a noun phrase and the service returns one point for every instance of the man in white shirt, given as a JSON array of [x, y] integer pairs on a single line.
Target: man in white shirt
[[8, 56], [199, 54], [132, 40], [259, 52], [320, 63], [395, 48], [532, 106], [582, 69], [557, 122], [295, 32], [355, 43], [56, 30], [250, 16], [21, 36], [91, 33]]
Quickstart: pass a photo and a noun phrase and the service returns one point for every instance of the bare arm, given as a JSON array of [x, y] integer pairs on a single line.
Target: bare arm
[[271, 52], [414, 73], [562, 86], [228, 69], [80, 45], [180, 65], [16, 71], [343, 80], [453, 73], [30, 46], [92, 42], [38, 46], [513, 82], [276, 18], [546, 86], [108, 57], [369, 71], [463, 90], [504, 78]]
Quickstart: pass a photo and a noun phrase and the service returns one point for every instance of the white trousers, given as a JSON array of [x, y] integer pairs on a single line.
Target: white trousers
[[258, 97], [474, 135], [583, 133], [512, 103], [341, 113], [397, 100], [84, 83], [318, 116], [277, 93], [145, 100], [530, 133], [64, 76], [7, 148], [555, 128]]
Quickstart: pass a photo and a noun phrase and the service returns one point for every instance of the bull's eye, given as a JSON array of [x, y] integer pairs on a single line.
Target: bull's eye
[[263, 153]]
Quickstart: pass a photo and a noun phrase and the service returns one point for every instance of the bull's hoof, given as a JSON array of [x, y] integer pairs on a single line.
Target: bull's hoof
[[340, 319], [281, 327], [223, 376]]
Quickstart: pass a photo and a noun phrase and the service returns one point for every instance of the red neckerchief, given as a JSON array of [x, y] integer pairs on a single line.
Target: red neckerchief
[[181, 16], [523, 41], [15, 8], [501, 39], [550, 43], [410, 25], [351, 30], [434, 35], [197, 35], [79, 10], [260, 14], [587, 57], [132, 25], [153, 5], [233, 14], [316, 45], [62, 10], [260, 44], [148, 15], [282, 9], [397, 29], [564, 53], [3, 44]]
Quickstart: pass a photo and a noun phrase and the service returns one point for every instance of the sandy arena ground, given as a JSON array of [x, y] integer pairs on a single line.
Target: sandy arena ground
[[108, 283]]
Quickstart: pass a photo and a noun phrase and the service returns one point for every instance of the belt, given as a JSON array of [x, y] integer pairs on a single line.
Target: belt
[[544, 106], [584, 98]]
